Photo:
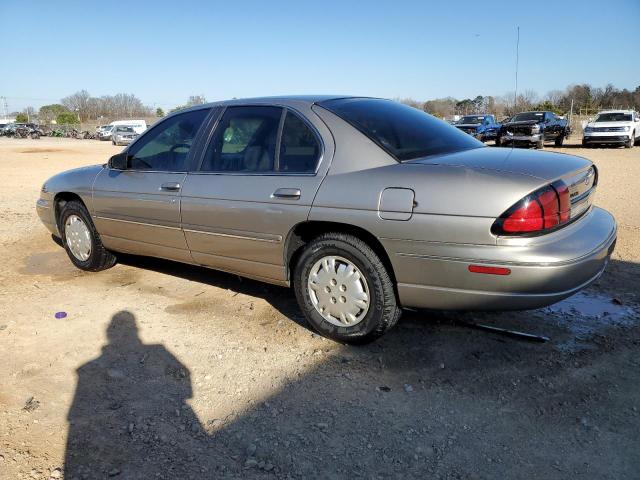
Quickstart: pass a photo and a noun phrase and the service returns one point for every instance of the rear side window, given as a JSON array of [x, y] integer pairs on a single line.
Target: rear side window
[[165, 147], [245, 140], [404, 132], [299, 148]]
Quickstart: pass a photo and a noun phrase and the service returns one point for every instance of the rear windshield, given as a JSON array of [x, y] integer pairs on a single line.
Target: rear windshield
[[526, 116], [614, 117], [404, 132], [471, 120]]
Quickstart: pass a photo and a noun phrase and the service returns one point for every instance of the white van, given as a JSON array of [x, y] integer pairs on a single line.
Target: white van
[[139, 126]]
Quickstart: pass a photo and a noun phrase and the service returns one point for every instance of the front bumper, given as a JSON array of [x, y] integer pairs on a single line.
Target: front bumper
[[605, 138], [44, 208], [543, 271], [521, 139]]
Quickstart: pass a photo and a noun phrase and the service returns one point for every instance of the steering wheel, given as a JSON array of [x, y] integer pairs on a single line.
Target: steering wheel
[[179, 145]]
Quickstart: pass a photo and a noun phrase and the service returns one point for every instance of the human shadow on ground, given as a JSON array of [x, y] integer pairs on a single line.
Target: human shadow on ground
[[129, 416], [428, 400]]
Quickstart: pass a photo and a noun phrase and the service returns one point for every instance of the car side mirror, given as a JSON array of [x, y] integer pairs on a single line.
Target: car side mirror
[[119, 161]]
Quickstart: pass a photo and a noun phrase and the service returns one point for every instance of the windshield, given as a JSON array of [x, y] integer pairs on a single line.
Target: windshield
[[528, 116], [472, 119], [614, 117], [124, 129], [404, 132]]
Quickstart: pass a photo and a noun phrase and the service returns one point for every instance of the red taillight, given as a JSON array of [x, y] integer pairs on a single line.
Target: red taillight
[[542, 210], [565, 200], [527, 218]]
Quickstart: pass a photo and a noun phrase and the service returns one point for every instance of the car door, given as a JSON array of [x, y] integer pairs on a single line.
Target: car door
[[257, 179], [137, 209], [551, 126]]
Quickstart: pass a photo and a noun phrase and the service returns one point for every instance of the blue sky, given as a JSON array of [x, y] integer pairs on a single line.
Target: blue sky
[[164, 51]]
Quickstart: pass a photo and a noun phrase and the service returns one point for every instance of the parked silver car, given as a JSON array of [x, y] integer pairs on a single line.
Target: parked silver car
[[363, 205], [123, 135], [104, 132]]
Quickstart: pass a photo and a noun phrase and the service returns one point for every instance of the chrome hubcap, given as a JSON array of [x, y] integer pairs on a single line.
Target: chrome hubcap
[[78, 237], [338, 291]]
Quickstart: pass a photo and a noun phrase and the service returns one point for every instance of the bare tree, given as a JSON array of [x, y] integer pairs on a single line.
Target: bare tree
[[78, 102], [196, 100], [31, 113]]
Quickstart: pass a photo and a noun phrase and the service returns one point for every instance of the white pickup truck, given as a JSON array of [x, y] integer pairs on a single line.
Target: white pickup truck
[[621, 127]]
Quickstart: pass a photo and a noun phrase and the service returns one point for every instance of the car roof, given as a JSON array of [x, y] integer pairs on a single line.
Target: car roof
[[283, 100], [615, 111]]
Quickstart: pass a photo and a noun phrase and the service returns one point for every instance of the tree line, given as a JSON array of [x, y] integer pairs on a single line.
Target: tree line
[[586, 99], [82, 107]]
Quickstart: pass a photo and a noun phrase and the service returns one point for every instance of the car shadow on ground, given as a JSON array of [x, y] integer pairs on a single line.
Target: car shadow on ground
[[428, 399], [280, 298]]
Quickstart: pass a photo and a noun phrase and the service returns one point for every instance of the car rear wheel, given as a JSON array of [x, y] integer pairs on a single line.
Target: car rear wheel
[[559, 140], [344, 289], [81, 239]]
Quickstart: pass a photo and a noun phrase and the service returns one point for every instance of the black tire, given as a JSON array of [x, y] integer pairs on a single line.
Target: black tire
[[114, 142], [630, 142], [540, 144], [100, 258], [384, 310], [498, 141], [559, 140], [585, 144]]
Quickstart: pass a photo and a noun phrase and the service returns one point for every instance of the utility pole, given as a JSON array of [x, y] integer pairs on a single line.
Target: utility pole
[[515, 95], [5, 109]]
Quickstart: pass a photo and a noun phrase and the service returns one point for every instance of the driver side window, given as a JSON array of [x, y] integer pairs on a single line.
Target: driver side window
[[166, 146]]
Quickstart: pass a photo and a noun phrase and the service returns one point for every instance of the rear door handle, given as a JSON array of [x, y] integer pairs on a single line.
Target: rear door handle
[[290, 193], [170, 186]]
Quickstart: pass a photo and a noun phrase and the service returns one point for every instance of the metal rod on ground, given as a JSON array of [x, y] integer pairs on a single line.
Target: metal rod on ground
[[504, 331]]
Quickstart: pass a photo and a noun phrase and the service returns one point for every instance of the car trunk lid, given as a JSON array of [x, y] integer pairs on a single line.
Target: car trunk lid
[[544, 168]]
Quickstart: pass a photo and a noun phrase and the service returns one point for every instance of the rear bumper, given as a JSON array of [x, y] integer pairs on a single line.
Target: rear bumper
[[541, 273]]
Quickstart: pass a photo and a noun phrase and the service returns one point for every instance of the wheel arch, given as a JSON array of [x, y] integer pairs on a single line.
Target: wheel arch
[[60, 200], [303, 232]]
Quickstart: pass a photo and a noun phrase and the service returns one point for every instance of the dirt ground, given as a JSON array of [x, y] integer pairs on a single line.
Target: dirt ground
[[161, 370]]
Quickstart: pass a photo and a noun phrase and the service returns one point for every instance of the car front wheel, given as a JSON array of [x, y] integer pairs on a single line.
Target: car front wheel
[[630, 142], [344, 289], [81, 239]]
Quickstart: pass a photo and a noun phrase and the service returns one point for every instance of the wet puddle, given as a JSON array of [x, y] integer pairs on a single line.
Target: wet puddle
[[54, 264], [586, 313]]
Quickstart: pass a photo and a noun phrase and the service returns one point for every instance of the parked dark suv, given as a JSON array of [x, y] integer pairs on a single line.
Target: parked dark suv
[[533, 129]]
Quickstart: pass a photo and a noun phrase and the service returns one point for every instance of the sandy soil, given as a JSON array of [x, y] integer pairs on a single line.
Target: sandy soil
[[161, 370]]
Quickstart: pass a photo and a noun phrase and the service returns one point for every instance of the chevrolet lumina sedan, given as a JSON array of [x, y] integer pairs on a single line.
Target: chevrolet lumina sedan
[[123, 135], [364, 206]]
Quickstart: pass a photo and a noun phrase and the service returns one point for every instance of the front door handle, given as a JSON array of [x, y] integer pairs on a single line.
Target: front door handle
[[170, 186], [290, 193]]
